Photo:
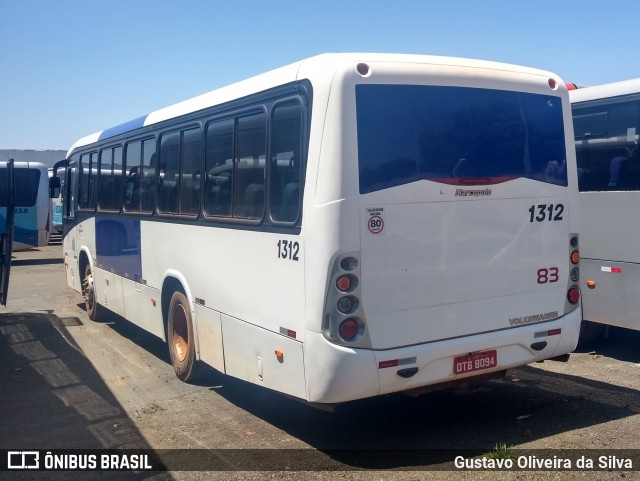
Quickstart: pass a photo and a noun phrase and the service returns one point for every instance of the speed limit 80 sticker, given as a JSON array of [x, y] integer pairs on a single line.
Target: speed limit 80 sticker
[[375, 220]]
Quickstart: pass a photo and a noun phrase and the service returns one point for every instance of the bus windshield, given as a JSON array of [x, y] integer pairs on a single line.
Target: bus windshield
[[457, 135]]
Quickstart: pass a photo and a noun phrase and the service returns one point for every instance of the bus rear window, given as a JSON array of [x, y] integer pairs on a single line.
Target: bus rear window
[[457, 135], [25, 189]]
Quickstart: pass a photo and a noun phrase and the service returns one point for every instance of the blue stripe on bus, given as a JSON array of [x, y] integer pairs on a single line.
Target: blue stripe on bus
[[122, 128], [118, 247]]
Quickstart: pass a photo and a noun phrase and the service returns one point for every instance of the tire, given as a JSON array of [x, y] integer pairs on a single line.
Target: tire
[[181, 339], [94, 310]]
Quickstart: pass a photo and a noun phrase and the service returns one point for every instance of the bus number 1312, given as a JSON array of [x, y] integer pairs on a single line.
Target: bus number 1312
[[288, 250]]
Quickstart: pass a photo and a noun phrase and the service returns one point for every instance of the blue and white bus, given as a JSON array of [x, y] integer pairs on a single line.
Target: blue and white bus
[[32, 221], [343, 227]]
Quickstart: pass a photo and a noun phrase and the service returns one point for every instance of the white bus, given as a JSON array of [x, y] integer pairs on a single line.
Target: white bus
[[607, 127], [343, 227], [31, 222], [55, 213]]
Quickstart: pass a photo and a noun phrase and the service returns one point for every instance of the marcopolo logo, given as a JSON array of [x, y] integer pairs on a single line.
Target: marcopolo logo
[[23, 460]]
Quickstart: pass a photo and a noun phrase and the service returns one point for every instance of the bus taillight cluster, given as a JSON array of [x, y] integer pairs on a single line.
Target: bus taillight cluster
[[573, 293], [344, 321], [348, 304]]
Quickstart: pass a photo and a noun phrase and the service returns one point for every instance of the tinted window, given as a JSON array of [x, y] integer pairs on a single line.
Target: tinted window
[[140, 176], [190, 172], [169, 172], [87, 181], [249, 182], [132, 176], [110, 180], [25, 186], [219, 168], [457, 135], [606, 139], [148, 180], [284, 174], [180, 165], [105, 179]]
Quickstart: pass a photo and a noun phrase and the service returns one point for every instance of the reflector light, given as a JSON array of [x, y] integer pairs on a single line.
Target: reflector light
[[554, 332], [575, 257], [390, 363], [573, 295], [348, 329], [591, 284]]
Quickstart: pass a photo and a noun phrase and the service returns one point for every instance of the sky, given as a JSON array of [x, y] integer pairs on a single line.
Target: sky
[[69, 68]]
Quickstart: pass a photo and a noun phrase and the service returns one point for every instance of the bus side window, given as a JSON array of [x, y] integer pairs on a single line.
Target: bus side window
[[105, 179], [169, 173], [284, 175], [148, 175], [132, 177], [219, 168], [250, 158], [190, 171]]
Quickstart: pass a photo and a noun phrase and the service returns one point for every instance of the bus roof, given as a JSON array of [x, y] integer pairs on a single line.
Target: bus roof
[[309, 68], [614, 89]]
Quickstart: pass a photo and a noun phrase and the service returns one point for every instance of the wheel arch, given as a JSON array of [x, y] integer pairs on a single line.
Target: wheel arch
[[174, 281], [84, 259]]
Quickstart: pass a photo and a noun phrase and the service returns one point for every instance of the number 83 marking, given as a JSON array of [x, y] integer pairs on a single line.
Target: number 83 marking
[[548, 275]]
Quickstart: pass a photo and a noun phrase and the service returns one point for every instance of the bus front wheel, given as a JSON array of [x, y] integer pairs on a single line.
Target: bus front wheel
[[89, 294], [181, 338]]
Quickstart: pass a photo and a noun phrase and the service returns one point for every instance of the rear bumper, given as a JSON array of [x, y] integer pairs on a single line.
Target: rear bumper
[[338, 374]]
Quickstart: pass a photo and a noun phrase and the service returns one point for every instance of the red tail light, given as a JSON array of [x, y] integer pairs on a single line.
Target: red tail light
[[348, 329], [573, 295]]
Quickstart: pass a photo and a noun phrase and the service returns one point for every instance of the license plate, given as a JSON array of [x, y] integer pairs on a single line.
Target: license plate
[[475, 362]]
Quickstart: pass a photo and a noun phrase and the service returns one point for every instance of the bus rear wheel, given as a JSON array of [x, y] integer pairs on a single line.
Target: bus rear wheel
[[89, 294], [181, 338]]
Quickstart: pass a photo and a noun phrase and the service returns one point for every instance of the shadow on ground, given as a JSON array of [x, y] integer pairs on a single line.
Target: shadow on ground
[[52, 398]]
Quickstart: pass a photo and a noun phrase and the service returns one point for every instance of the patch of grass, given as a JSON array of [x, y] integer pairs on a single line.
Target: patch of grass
[[501, 451]]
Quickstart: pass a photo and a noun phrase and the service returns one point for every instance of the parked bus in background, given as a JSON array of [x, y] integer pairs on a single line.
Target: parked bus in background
[[56, 211], [607, 126], [343, 227], [31, 222]]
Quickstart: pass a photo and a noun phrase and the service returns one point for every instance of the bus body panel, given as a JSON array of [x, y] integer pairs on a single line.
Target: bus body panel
[[607, 215], [357, 373], [614, 300], [223, 265], [209, 333], [110, 291], [263, 357], [459, 267]]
